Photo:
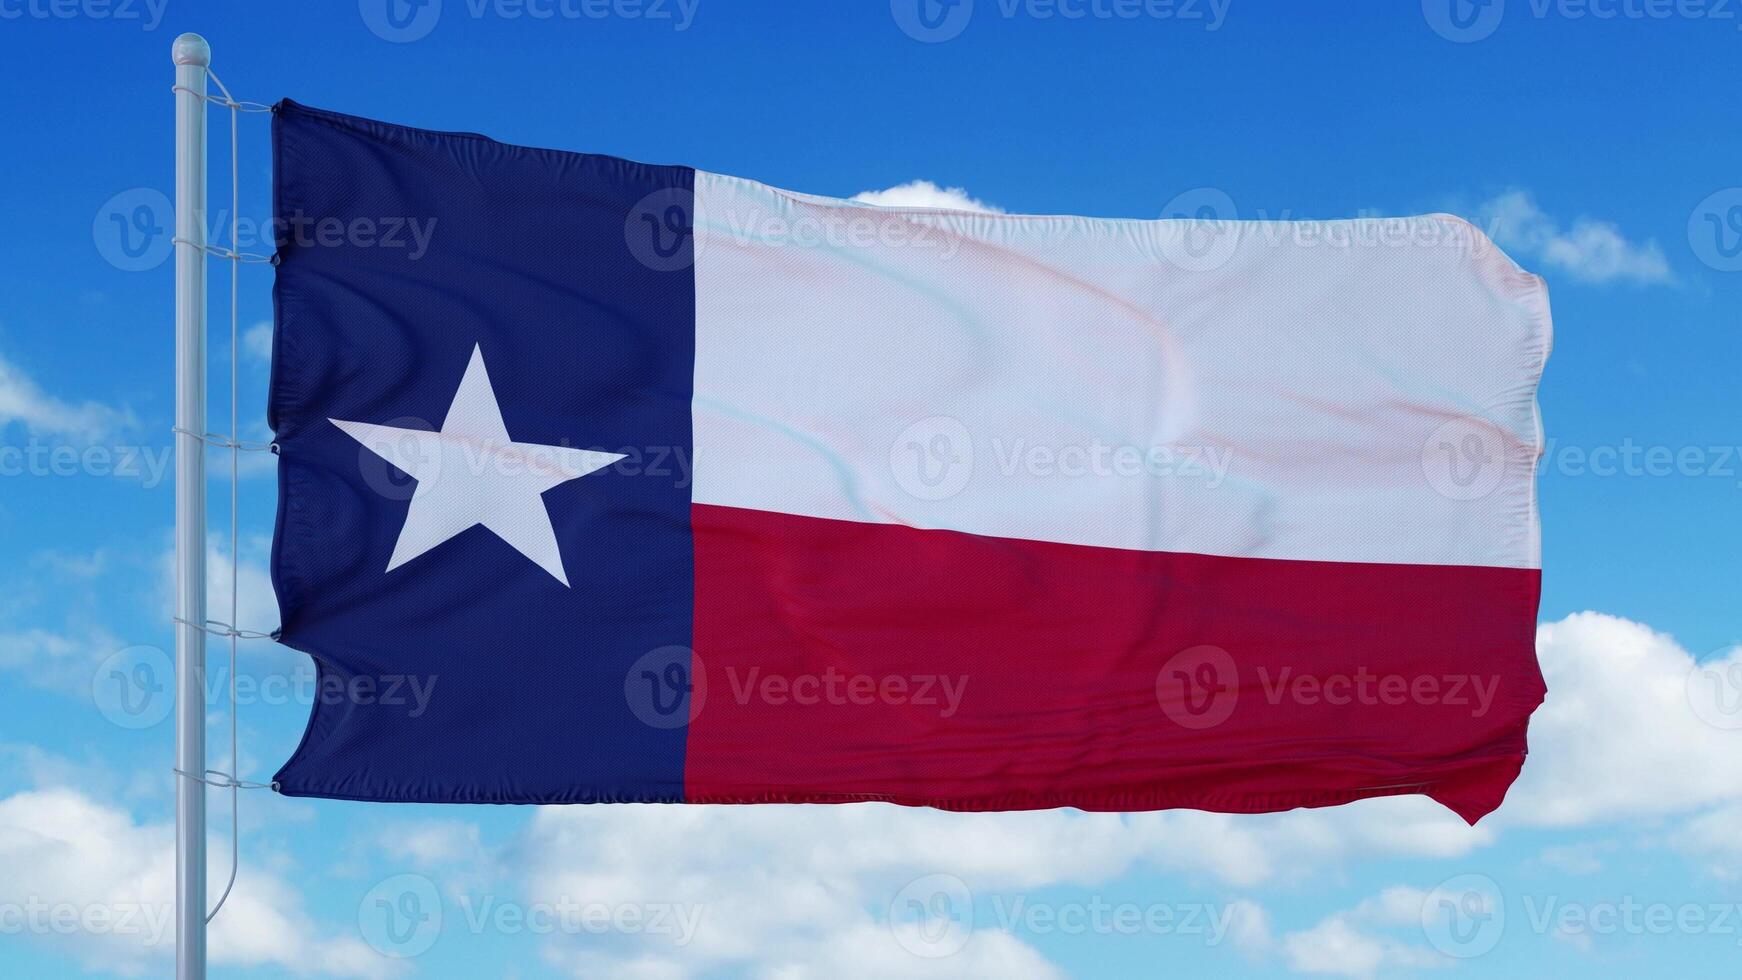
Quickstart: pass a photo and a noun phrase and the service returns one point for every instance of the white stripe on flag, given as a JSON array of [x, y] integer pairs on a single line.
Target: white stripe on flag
[[1342, 391]]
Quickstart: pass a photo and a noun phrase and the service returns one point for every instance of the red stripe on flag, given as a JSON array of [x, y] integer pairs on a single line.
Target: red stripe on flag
[[841, 661]]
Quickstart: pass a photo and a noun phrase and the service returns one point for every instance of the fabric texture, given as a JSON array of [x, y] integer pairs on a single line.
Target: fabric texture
[[641, 484]]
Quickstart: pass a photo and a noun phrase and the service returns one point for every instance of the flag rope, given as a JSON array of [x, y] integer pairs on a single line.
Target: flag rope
[[217, 627], [226, 101], [224, 253], [228, 782], [224, 442], [232, 442]]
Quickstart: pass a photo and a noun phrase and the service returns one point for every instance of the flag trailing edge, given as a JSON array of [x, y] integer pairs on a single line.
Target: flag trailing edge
[[663, 485]]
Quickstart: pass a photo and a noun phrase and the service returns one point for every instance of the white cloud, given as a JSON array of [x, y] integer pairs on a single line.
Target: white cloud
[[799, 892], [256, 602], [428, 843], [1334, 946], [925, 194], [1338, 946], [1588, 250], [866, 951], [1715, 838], [23, 401], [1618, 736], [861, 951], [65, 658], [827, 875], [60, 660], [1249, 927], [68, 855], [66, 647], [50, 607], [1349, 943], [1573, 859], [257, 342], [1247, 849]]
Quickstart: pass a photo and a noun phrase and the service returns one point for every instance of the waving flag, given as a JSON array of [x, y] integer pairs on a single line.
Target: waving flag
[[602, 481]]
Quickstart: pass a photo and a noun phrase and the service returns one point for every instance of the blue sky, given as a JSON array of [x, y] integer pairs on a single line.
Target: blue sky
[[1600, 143]]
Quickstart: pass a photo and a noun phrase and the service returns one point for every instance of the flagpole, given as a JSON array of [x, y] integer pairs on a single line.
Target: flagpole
[[192, 57]]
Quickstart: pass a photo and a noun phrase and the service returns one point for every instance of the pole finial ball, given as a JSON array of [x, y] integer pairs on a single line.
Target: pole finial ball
[[191, 49]]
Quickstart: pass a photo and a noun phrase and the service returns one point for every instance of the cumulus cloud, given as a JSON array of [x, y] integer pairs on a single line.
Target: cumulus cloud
[[61, 649], [1249, 927], [1714, 839], [87, 876], [256, 602], [1621, 733], [24, 402], [1587, 249], [1354, 943], [51, 607], [429, 843], [1340, 947], [1251, 849], [824, 876], [925, 194], [812, 891], [257, 342], [1573, 859], [59, 659]]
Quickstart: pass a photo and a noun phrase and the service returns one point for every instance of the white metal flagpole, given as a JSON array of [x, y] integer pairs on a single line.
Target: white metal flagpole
[[192, 58]]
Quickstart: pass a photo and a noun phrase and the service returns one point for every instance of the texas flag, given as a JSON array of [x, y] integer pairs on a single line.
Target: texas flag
[[606, 482]]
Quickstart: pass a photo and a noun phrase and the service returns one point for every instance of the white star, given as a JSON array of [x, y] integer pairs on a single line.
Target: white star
[[472, 473]]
